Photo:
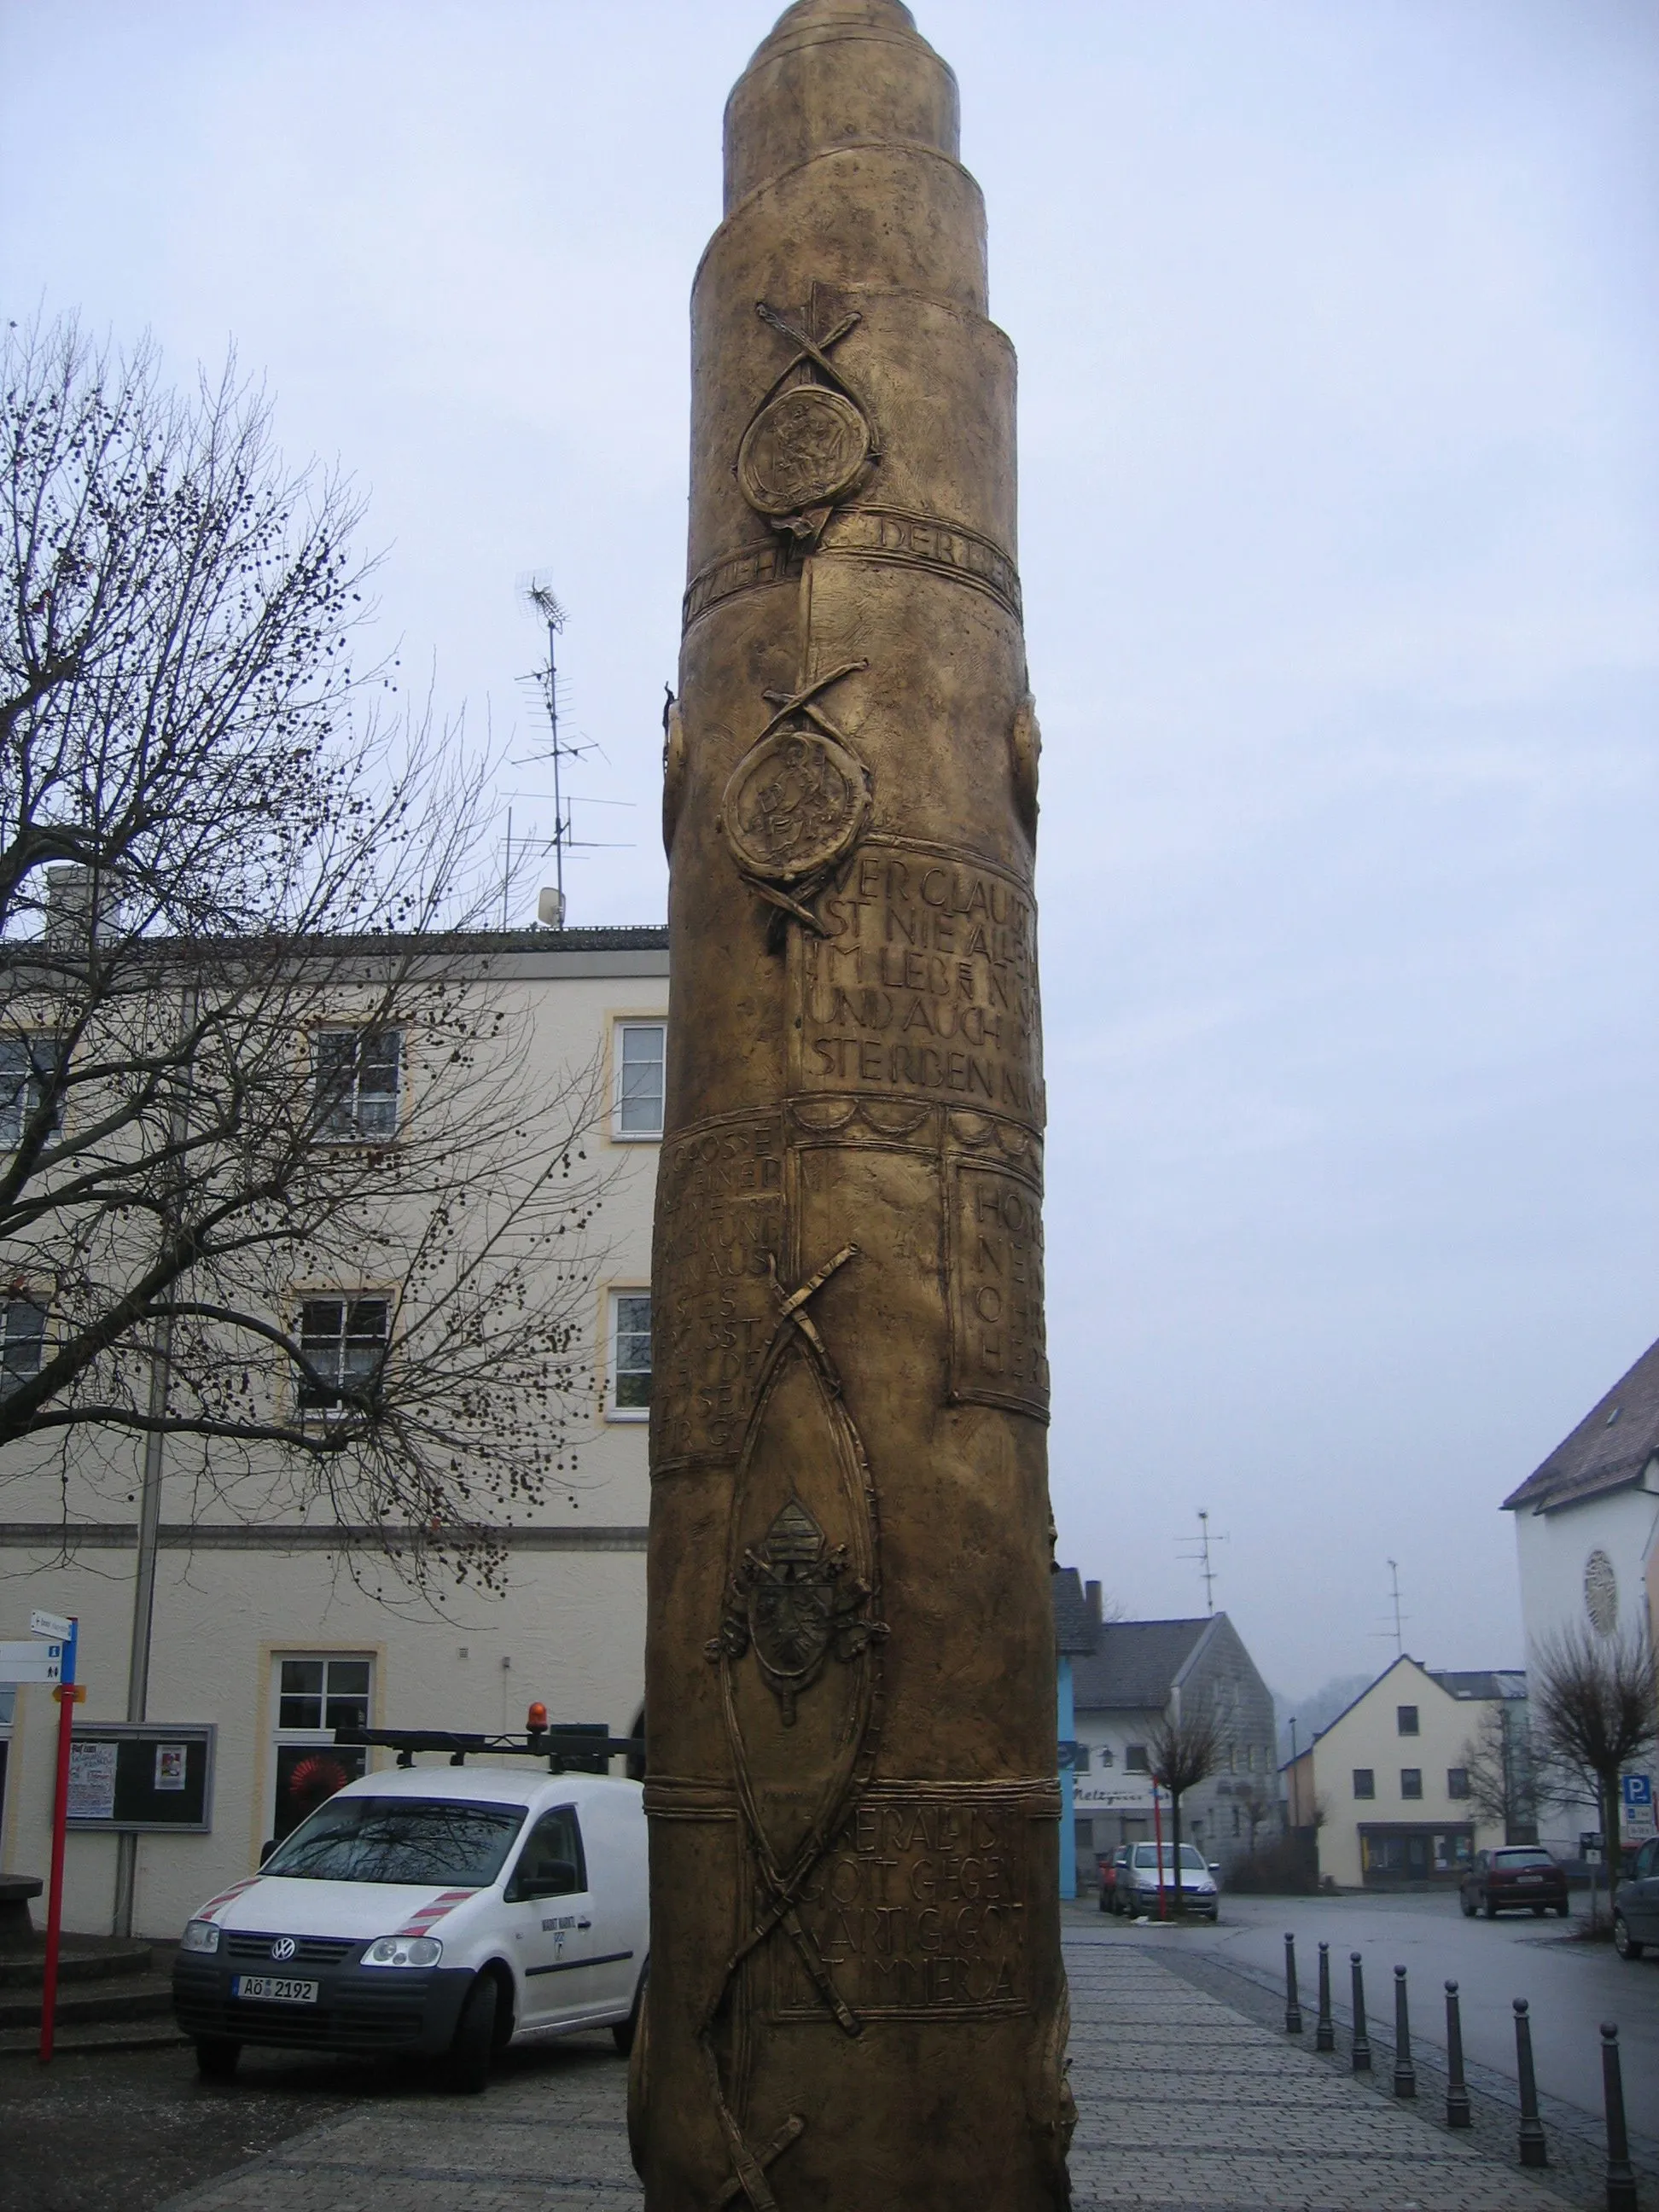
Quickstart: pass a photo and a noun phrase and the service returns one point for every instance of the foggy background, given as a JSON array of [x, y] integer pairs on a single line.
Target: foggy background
[[1336, 328]]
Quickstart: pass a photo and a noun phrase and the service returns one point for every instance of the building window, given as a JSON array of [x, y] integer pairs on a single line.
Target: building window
[[357, 1076], [27, 1065], [344, 1341], [316, 1695], [638, 1056], [24, 1346], [1406, 1716], [630, 1354], [1135, 1759], [1238, 1824], [1080, 1758], [1410, 1782], [1364, 1782], [1457, 1782]]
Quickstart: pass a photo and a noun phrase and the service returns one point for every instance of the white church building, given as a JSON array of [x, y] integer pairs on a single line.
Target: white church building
[[1587, 1535]]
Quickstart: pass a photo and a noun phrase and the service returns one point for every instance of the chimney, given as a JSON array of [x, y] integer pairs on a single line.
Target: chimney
[[1091, 1591]]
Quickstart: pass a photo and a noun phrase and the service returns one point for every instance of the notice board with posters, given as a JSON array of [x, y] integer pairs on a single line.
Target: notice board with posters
[[154, 1777]]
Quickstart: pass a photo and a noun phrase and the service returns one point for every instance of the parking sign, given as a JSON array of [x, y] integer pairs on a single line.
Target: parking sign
[[1636, 1791]]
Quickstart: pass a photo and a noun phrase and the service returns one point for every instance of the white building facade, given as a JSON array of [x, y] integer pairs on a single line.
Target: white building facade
[[1586, 1545], [265, 1636], [1126, 1675], [1387, 1786]]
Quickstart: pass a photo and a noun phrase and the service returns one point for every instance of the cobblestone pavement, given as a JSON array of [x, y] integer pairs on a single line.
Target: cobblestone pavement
[[1186, 2104]]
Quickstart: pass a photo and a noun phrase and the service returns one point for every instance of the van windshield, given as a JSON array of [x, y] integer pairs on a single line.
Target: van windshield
[[1146, 1856], [407, 1839]]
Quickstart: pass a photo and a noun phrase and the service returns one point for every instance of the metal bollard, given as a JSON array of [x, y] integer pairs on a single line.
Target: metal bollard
[[1621, 2174], [1292, 1999], [1362, 2042], [1535, 2151], [1405, 2073], [1325, 2035], [1457, 2089]]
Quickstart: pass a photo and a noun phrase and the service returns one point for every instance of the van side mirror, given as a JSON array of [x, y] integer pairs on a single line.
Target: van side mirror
[[266, 1848]]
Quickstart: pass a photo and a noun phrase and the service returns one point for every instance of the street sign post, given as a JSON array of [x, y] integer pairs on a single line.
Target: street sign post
[[59, 1816], [1636, 1793]]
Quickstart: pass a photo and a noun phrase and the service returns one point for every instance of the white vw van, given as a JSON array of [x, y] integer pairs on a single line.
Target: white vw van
[[439, 1910]]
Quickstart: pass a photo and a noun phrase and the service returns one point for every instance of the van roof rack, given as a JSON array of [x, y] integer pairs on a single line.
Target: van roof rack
[[568, 1746]]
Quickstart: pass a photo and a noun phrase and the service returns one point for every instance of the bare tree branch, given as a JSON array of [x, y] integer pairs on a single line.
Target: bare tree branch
[[233, 872]]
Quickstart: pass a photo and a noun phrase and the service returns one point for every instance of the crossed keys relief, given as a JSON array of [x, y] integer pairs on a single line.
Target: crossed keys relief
[[810, 438], [794, 1599], [797, 803], [795, 1602]]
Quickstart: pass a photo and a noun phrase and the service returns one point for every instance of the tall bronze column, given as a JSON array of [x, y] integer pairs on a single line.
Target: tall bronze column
[[856, 1999]]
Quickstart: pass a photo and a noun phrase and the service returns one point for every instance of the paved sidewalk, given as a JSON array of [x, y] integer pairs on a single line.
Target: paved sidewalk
[[1185, 2104]]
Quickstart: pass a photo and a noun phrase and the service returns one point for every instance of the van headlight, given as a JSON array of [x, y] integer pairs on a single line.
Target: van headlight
[[200, 1936], [403, 1950]]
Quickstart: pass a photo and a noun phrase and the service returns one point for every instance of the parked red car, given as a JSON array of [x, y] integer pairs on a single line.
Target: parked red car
[[1110, 1865], [1516, 1875]]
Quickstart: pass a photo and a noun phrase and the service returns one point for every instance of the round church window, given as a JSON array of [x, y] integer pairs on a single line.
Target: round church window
[[1602, 1592]]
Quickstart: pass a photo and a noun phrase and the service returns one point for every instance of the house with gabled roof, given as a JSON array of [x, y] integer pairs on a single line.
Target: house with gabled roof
[[1587, 1519], [1124, 1675], [1586, 1535], [1386, 1787]]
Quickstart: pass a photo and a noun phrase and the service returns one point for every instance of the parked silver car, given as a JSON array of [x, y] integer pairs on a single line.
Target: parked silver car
[[1635, 1904], [1137, 1884]]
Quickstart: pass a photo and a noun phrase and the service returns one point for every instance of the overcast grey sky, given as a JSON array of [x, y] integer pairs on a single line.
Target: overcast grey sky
[[1336, 325]]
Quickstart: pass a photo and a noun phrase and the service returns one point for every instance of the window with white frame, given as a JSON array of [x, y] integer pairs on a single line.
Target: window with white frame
[[28, 1062], [356, 1072], [639, 1050], [315, 1693], [344, 1339], [22, 1342], [630, 1354]]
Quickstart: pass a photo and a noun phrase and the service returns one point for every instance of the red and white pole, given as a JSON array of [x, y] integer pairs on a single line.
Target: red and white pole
[[65, 1695]]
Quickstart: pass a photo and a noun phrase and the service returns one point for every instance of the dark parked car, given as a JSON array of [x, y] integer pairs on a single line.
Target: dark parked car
[[1635, 1904], [1111, 1865], [1515, 1876]]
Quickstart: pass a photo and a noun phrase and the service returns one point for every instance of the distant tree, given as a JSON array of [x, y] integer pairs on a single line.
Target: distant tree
[[1596, 1701], [1184, 1747], [1499, 1762], [275, 1185], [1258, 1799]]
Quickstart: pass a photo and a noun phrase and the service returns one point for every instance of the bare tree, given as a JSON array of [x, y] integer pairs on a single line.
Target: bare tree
[[1259, 1802], [1596, 1699], [1184, 1747], [269, 1184], [1498, 1763]]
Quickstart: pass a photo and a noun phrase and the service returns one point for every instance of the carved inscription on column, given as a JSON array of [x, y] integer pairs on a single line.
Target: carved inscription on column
[[999, 1344], [719, 1213], [925, 982], [918, 1909]]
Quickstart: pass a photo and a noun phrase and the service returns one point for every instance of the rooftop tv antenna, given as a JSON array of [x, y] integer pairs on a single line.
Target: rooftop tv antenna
[[538, 599], [1199, 1554], [1393, 1594]]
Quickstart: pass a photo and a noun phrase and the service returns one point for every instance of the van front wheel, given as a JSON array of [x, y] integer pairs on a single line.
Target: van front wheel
[[467, 2070]]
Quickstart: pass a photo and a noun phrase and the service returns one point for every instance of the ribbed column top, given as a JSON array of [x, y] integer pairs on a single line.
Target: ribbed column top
[[834, 73]]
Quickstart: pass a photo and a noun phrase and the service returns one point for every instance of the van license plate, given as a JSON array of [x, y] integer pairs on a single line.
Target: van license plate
[[274, 1990]]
